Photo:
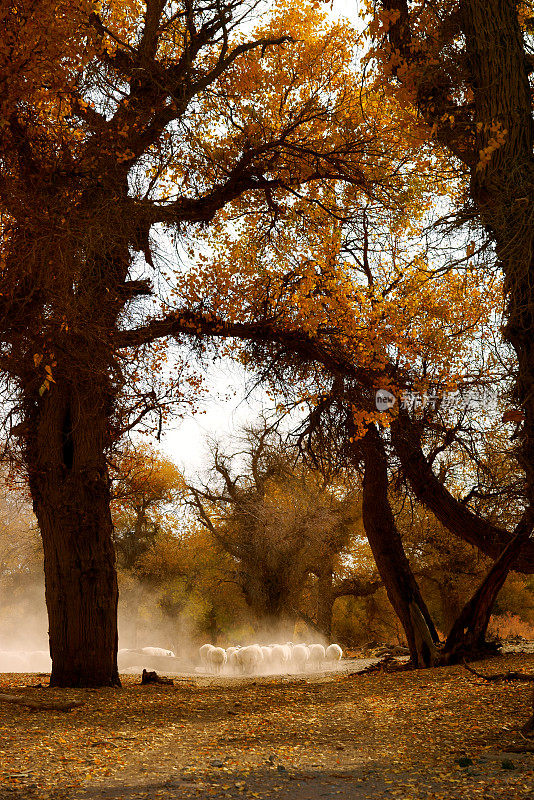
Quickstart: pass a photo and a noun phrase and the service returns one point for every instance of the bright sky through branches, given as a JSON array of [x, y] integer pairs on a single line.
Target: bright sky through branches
[[228, 407]]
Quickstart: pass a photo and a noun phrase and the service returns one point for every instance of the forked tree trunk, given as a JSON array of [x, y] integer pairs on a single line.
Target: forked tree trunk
[[70, 489], [393, 566], [467, 636]]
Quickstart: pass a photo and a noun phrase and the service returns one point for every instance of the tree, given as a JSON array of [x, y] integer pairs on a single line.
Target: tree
[[340, 341], [466, 68], [113, 122], [280, 522], [146, 492]]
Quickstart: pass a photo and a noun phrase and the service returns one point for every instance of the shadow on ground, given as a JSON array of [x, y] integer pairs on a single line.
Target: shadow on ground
[[273, 782]]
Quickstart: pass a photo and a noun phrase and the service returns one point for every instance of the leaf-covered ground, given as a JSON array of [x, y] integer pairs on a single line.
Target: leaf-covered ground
[[439, 733]]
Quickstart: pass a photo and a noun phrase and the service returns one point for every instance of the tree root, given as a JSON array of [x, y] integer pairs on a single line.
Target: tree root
[[527, 747], [41, 705], [501, 676], [387, 664]]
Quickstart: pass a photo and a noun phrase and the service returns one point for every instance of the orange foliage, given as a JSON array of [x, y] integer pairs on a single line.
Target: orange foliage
[[505, 626]]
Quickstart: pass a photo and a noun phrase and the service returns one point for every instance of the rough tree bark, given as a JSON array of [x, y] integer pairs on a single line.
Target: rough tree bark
[[386, 545], [70, 488], [504, 190]]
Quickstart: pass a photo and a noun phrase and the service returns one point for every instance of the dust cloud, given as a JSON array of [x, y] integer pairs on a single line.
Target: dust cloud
[[24, 630], [151, 638]]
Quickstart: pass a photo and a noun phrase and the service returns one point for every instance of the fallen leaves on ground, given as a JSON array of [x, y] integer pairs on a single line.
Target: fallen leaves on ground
[[437, 733]]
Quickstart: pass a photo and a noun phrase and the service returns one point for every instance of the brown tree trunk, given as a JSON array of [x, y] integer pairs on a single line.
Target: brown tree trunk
[[325, 599], [503, 190], [393, 566], [268, 592], [467, 636], [70, 489]]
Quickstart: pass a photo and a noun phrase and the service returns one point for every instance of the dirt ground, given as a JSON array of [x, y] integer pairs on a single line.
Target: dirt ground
[[440, 733]]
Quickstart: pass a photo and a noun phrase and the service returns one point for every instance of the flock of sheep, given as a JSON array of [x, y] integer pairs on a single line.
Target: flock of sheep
[[266, 659], [253, 659]]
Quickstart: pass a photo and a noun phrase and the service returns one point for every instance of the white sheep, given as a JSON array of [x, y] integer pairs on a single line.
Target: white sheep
[[216, 659], [267, 652], [250, 658], [157, 651], [231, 657], [300, 656], [334, 653], [203, 653], [280, 656], [316, 655]]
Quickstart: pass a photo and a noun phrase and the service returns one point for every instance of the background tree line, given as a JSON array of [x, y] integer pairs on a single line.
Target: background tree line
[[289, 557]]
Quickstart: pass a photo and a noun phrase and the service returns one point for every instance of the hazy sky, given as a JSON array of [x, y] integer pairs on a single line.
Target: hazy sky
[[186, 445]]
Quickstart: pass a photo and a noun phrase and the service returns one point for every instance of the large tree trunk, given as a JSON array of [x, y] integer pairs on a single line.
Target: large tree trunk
[[268, 595], [70, 488], [392, 564], [503, 190]]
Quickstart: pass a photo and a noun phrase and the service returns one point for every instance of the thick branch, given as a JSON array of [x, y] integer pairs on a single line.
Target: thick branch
[[449, 511], [501, 676], [41, 705], [295, 341]]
